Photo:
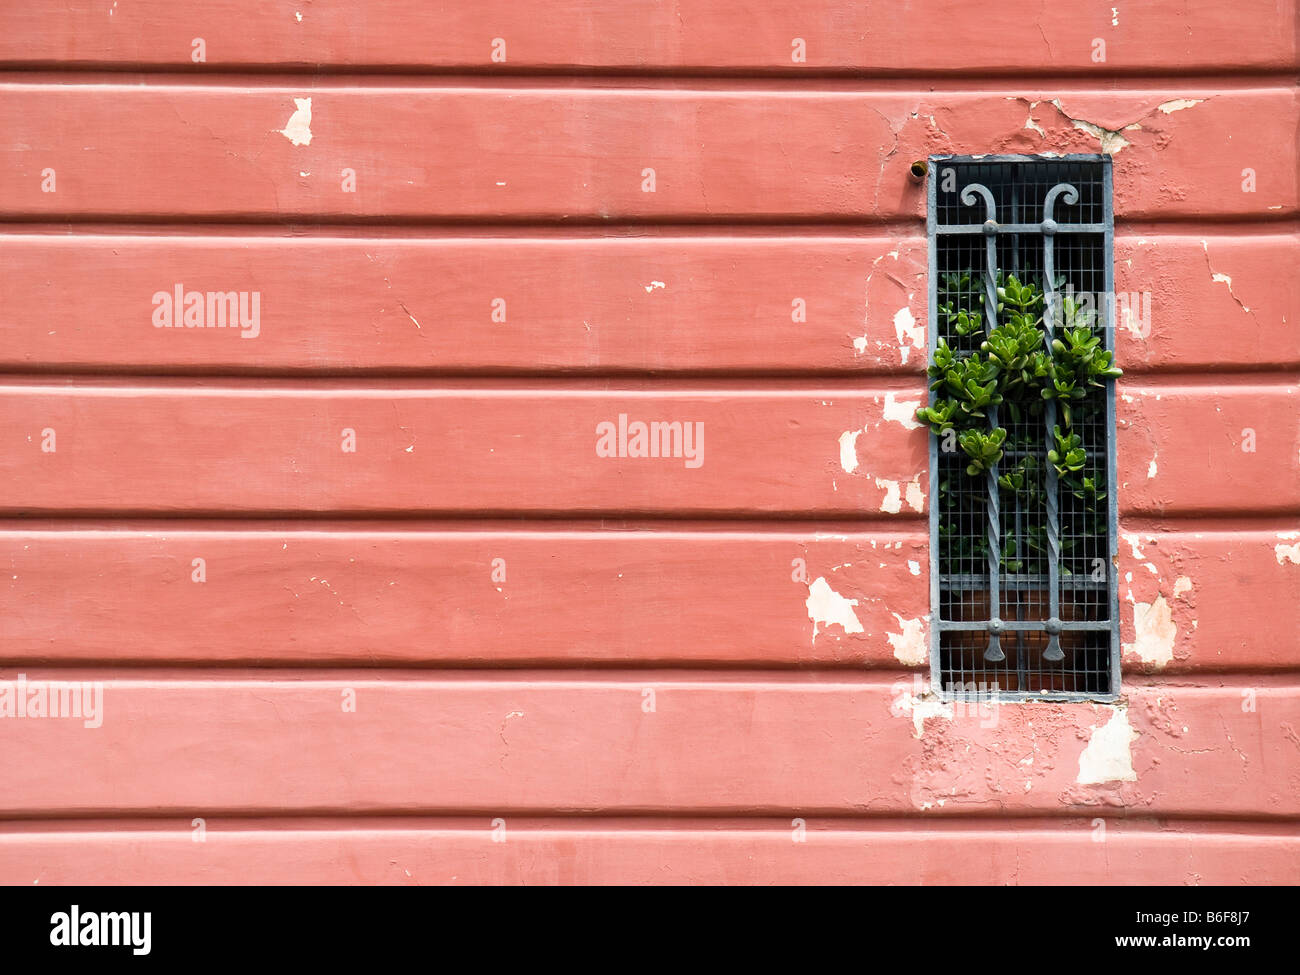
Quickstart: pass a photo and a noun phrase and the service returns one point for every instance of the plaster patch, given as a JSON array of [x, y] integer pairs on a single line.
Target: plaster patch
[[1181, 585], [1178, 104], [894, 491], [829, 608], [1154, 632], [849, 450], [1109, 754], [654, 284], [910, 646], [907, 330], [298, 129], [922, 708], [914, 567], [1111, 140], [915, 499], [1287, 553], [1133, 543], [1151, 467], [902, 411]]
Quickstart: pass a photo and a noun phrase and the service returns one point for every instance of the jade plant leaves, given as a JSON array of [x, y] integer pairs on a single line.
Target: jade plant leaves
[[1014, 366]]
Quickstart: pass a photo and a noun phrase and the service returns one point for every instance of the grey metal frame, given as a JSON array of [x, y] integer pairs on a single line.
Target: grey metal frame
[[991, 230]]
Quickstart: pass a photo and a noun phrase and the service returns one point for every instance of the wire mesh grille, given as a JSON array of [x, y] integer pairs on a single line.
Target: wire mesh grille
[[1010, 614]]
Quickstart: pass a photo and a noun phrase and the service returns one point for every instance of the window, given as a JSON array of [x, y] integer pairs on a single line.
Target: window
[[1022, 407]]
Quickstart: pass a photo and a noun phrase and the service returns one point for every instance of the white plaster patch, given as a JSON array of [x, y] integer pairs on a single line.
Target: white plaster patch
[[1109, 754], [849, 450], [910, 646], [922, 709], [914, 567], [894, 492], [829, 608], [1181, 585], [1151, 467], [1111, 142], [1133, 542], [902, 411], [915, 499], [1154, 632], [1287, 553], [1110, 139], [1178, 104], [653, 285], [298, 129], [907, 330]]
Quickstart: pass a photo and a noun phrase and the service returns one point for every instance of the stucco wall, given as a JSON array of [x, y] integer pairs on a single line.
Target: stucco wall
[[363, 597]]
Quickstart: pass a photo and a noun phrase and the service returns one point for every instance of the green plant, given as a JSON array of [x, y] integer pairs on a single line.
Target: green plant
[[1014, 369]]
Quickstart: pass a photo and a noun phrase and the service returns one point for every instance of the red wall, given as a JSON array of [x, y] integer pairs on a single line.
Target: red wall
[[565, 667]]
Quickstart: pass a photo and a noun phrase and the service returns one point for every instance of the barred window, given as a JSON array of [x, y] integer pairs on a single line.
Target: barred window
[[1022, 408]]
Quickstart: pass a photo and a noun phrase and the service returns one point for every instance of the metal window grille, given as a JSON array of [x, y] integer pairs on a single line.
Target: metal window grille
[[1023, 590]]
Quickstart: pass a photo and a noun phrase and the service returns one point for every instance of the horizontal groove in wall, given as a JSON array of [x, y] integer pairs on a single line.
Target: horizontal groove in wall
[[290, 232], [523, 387], [655, 382], [269, 666], [308, 525], [587, 822], [833, 680], [1157, 80], [762, 225], [868, 517], [731, 384]]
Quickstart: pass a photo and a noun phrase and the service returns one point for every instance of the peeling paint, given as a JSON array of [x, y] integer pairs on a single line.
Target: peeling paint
[[829, 608], [1133, 541], [1108, 756], [849, 450], [915, 499], [1154, 632], [1178, 104], [907, 330], [1111, 140], [1287, 553], [902, 411], [893, 500], [1181, 585], [922, 707], [653, 285], [1151, 467], [298, 129], [914, 567], [910, 646]]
